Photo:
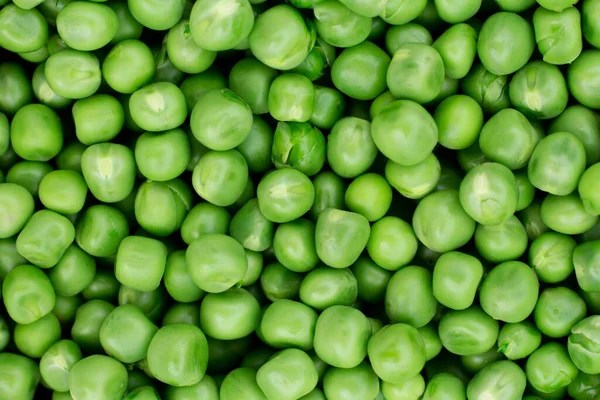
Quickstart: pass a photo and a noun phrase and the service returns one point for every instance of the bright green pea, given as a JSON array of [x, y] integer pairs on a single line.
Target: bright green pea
[[350, 149], [380, 103], [411, 389], [587, 190], [230, 315], [250, 228], [404, 132], [100, 229], [98, 376], [325, 287], [558, 152], [369, 195], [392, 243], [551, 256], [488, 89], [458, 48], [13, 36], [183, 51], [566, 214], [158, 107], [509, 292], [17, 91], [241, 383], [454, 13], [63, 191], [584, 69], [291, 98], [289, 375], [16, 207], [285, 195], [299, 145], [416, 73], [508, 138], [99, 118], [220, 177], [139, 256], [256, 148], [500, 379], [503, 242], [468, 332], [221, 120], [19, 376], [410, 32], [216, 262], [445, 386], [587, 267], [255, 267], [397, 353], [36, 133], [57, 362], [359, 382], [128, 66], [329, 107], [590, 24], [414, 181], [157, 15], [409, 297], [583, 345], [294, 245], [518, 340], [28, 174], [35, 338], [339, 26], [459, 120], [281, 38], [341, 336], [251, 79], [205, 389], [400, 12], [549, 368], [360, 71], [88, 322], [286, 323], [366, 8], [128, 27], [557, 5], [197, 85], [162, 156], [477, 362], [74, 272], [456, 278], [104, 286], [558, 34], [584, 386], [109, 171], [222, 24], [44, 93], [204, 218], [506, 42], [315, 394], [73, 74], [87, 26], [153, 304], [558, 310], [441, 223]]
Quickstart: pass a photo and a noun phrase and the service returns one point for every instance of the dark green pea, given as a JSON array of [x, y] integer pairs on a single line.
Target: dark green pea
[[325, 287], [182, 313], [69, 157], [587, 190], [380, 103], [66, 308], [526, 190], [488, 89], [585, 258], [205, 389], [250, 79], [17, 91], [328, 108], [16, 208], [518, 340], [248, 194], [450, 177], [281, 321], [241, 383], [14, 38], [164, 70], [88, 321], [100, 230], [329, 193], [431, 338], [340, 26], [371, 279], [549, 368], [251, 228], [128, 27], [152, 303], [197, 85], [36, 56], [503, 242], [411, 32], [9, 256], [221, 177], [278, 282], [299, 146], [74, 272], [257, 147], [204, 218], [19, 376], [490, 381], [257, 358], [558, 310], [35, 338], [477, 362], [566, 214], [313, 66], [409, 297], [471, 157], [157, 16], [531, 217], [225, 355], [585, 386], [294, 245], [445, 385]]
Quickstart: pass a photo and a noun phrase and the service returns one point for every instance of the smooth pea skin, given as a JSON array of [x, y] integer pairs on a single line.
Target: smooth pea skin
[[63, 191], [458, 48], [396, 353], [518, 340], [399, 13], [157, 15], [329, 107], [492, 381], [73, 74], [164, 155], [277, 282], [251, 228], [558, 34], [583, 345], [158, 107], [205, 389], [109, 171], [128, 66], [404, 132], [583, 123], [350, 147], [456, 278], [12, 35], [230, 315], [184, 53], [57, 362], [459, 119], [508, 138], [566, 214], [139, 256], [587, 188], [325, 287], [442, 228], [28, 174], [36, 133], [411, 389], [256, 148], [488, 89], [551, 256], [549, 368], [392, 233], [17, 88], [558, 310], [369, 195], [285, 195], [281, 39], [98, 376], [591, 25], [506, 42], [445, 386], [414, 181], [16, 207], [220, 177], [503, 242], [294, 245], [87, 26], [216, 262], [250, 79], [360, 71], [509, 292], [35, 338], [240, 383], [286, 323], [19, 376], [300, 146], [409, 297], [339, 26], [585, 260], [99, 118], [221, 25], [584, 69], [100, 230], [359, 382], [468, 332], [341, 236], [416, 73], [489, 194]]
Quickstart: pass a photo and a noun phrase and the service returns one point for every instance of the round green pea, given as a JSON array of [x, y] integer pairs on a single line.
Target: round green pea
[[584, 69], [445, 385], [87, 26], [36, 133], [177, 279], [73, 74], [16, 207], [583, 345], [128, 26], [558, 34], [98, 376], [549, 368], [477, 362], [28, 174], [359, 382], [100, 229], [205, 389], [488, 89], [229, 315], [85, 330], [551, 256], [291, 98], [251, 79], [583, 123], [399, 13], [109, 171], [392, 243], [325, 287], [410, 389], [128, 66], [298, 145], [585, 386], [468, 332], [13, 36], [566, 214], [99, 118], [56, 364], [454, 13], [158, 106], [585, 258], [74, 272], [35, 338], [518, 340], [157, 15], [339, 26], [183, 51], [409, 297], [503, 242], [294, 245], [491, 381], [63, 191], [220, 177], [587, 190], [289, 374], [414, 181], [285, 195], [44, 93], [329, 107], [240, 383], [222, 24], [459, 119], [370, 195], [558, 310], [458, 48], [204, 218], [19, 376], [351, 149], [277, 282], [456, 278], [164, 155], [286, 323], [410, 32]]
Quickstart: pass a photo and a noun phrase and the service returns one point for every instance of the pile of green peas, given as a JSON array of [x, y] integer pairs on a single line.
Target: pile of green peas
[[299, 199]]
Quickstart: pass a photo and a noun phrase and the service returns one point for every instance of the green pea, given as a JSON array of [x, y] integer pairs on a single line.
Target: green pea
[[128, 27], [409, 297], [329, 107], [165, 71], [459, 120], [398, 35], [99, 118], [503, 242], [549, 368], [585, 258], [586, 188], [315, 394], [230, 315], [329, 193], [160, 207], [28, 174], [256, 148], [143, 393], [506, 42], [63, 191], [248, 194], [509, 292], [584, 386], [182, 313], [16, 208], [457, 47], [55, 42], [17, 90], [367, 8], [413, 388], [468, 332], [221, 25], [88, 322], [220, 177], [289, 374], [558, 310], [313, 66], [397, 353], [583, 345], [5, 333], [456, 278], [414, 181], [492, 381], [350, 149], [157, 15], [445, 385], [35, 338], [488, 89], [57, 362], [281, 38], [371, 279], [87, 26], [531, 218], [591, 29], [284, 195], [164, 155], [100, 229], [104, 287], [518, 340], [300, 146], [152, 303], [399, 13], [74, 272], [278, 282], [339, 26], [4, 133], [294, 245], [526, 190], [73, 74], [98, 376], [158, 106], [128, 66], [584, 69], [109, 171], [551, 256], [440, 222], [380, 103], [36, 133], [286, 323], [257, 358], [137, 255], [183, 51], [345, 383], [216, 262], [16, 39], [325, 287], [370, 195], [36, 56], [566, 214], [583, 123], [477, 362], [204, 218], [19, 376], [241, 383], [404, 132], [291, 98], [250, 79], [392, 233], [563, 48], [205, 389], [251, 228]]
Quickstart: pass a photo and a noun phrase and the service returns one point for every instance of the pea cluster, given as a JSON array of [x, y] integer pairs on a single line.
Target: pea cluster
[[299, 199]]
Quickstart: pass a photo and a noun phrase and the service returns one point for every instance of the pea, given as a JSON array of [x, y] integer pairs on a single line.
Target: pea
[[518, 340], [56, 364], [98, 374], [88, 322], [490, 380], [549, 368], [361, 381], [558, 310], [456, 278], [216, 169], [278, 325], [503, 242], [299, 146], [20, 376], [229, 315], [87, 26], [409, 297]]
